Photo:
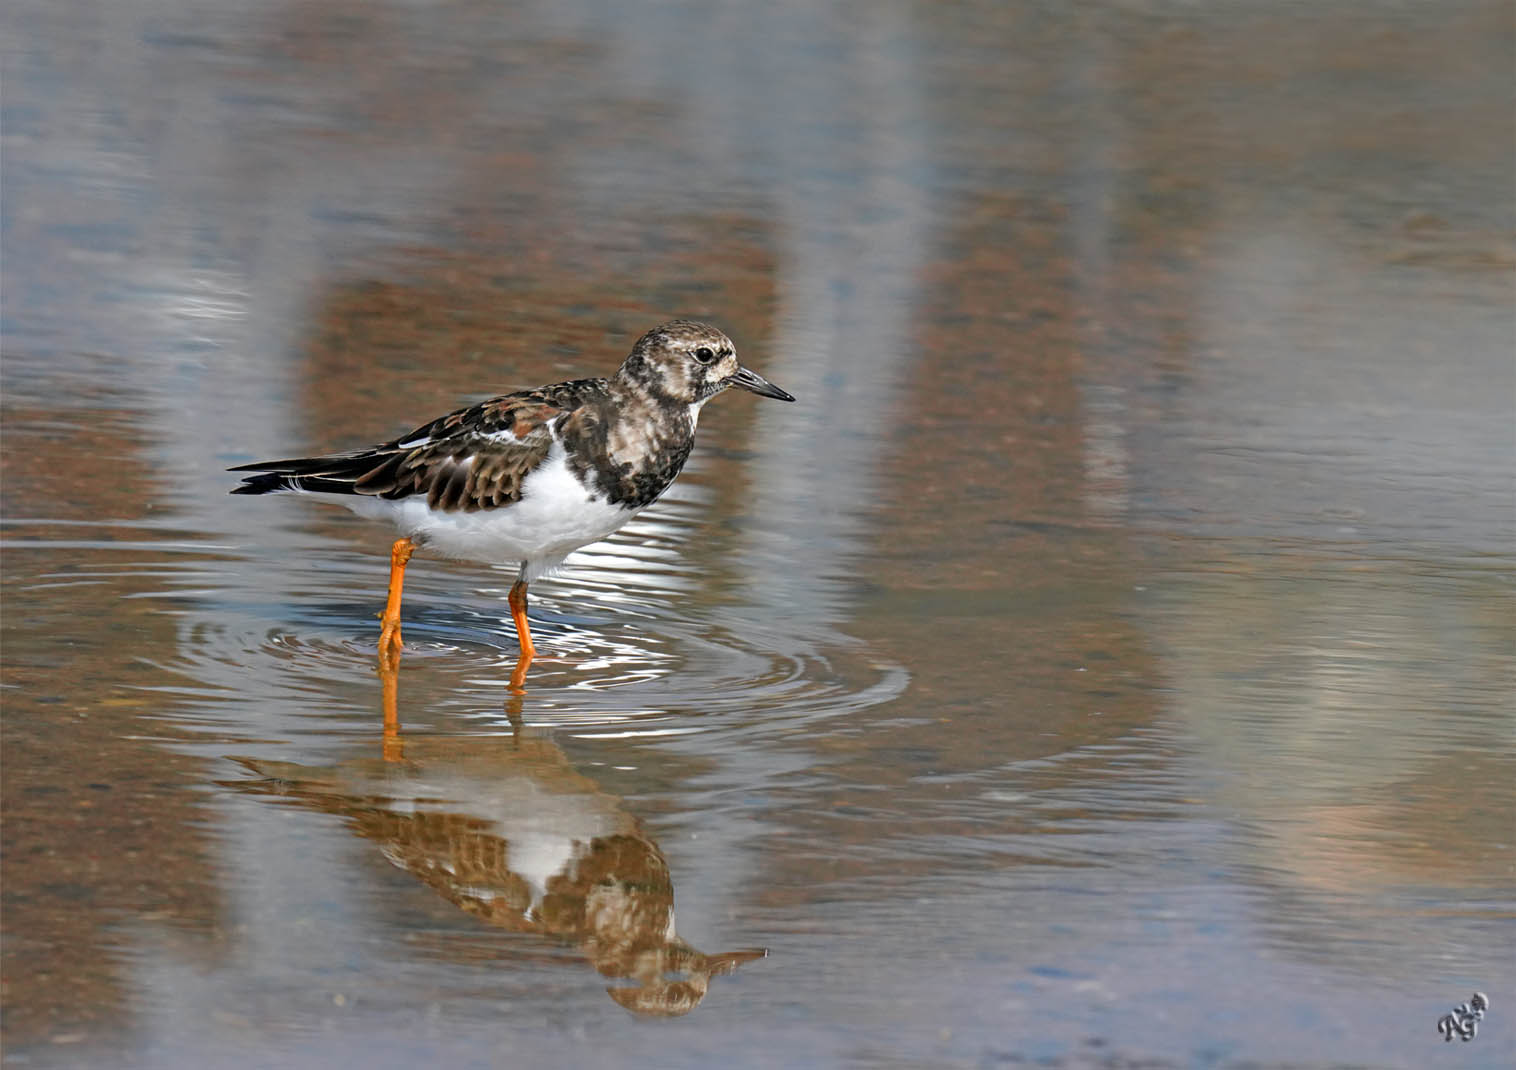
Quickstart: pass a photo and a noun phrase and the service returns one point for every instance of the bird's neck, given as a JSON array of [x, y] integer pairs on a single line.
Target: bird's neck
[[635, 397]]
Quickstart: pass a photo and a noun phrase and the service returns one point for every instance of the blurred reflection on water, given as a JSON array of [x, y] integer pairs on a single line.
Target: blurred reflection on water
[[505, 829], [1108, 660], [1354, 726]]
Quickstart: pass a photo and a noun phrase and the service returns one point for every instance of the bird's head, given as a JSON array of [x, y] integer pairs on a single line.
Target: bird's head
[[689, 363]]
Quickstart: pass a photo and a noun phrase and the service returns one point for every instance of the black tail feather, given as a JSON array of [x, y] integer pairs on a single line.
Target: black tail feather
[[323, 475], [266, 483]]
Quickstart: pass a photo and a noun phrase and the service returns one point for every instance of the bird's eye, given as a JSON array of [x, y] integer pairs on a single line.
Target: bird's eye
[[705, 354]]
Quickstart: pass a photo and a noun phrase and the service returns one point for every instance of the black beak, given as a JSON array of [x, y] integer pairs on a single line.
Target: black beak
[[758, 385]]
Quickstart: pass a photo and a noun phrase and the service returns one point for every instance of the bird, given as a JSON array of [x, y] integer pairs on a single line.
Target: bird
[[527, 478]]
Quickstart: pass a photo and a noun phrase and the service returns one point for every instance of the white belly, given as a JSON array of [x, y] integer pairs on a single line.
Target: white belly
[[555, 516]]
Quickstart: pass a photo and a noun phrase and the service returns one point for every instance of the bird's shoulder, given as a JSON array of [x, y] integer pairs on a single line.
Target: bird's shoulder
[[512, 418]]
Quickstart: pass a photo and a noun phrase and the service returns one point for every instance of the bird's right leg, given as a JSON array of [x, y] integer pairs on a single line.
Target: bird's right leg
[[389, 624]]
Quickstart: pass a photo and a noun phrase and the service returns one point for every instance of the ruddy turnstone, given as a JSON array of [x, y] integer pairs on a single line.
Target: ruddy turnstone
[[528, 478]]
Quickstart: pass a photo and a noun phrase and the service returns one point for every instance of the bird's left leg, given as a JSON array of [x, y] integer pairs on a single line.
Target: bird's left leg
[[389, 624], [517, 599]]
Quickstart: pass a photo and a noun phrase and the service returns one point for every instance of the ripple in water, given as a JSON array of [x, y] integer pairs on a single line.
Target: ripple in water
[[287, 647]]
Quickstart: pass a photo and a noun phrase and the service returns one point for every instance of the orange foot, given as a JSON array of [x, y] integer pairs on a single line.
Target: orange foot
[[389, 642]]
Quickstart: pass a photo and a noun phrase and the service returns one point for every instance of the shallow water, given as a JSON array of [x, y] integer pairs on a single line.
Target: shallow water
[[1108, 661]]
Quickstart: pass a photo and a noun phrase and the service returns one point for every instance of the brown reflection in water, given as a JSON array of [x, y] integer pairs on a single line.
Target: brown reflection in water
[[508, 831], [1010, 606], [1191, 136], [991, 570], [390, 352], [1313, 686], [99, 822], [996, 579], [1435, 828], [523, 294]]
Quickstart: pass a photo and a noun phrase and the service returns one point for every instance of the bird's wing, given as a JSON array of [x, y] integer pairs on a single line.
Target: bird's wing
[[475, 458], [471, 459]]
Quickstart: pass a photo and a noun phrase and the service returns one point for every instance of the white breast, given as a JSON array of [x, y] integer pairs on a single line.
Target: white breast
[[556, 515]]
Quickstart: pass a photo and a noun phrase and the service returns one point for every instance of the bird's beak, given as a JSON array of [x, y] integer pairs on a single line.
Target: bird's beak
[[758, 385]]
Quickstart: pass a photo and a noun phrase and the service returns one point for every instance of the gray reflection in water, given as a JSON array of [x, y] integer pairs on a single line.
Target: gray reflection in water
[[1324, 386], [1344, 718], [507, 830], [851, 202]]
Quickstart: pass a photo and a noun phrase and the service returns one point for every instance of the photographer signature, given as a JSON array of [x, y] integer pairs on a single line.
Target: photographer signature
[[1463, 1021]]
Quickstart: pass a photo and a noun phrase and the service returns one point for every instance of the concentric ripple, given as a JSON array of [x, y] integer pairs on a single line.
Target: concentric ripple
[[277, 639]]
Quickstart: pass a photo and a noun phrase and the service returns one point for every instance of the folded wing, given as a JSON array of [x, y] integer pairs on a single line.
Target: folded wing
[[475, 458]]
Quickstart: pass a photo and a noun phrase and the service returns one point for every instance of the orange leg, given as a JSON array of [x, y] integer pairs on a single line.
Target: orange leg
[[389, 624], [522, 632], [518, 613]]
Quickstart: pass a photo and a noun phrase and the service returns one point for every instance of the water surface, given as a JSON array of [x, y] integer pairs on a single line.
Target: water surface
[[1107, 662]]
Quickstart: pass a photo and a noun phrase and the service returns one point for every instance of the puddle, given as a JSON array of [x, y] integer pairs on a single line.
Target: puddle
[[1106, 662]]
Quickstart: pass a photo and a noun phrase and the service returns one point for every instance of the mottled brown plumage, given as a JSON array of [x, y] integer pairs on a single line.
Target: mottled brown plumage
[[627, 437], [474, 458]]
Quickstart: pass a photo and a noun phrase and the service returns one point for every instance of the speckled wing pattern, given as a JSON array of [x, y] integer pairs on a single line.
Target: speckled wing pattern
[[472, 459]]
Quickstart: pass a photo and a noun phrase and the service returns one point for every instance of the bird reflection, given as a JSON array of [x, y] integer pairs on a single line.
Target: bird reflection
[[506, 829]]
